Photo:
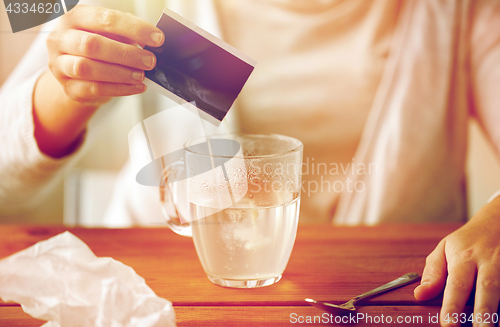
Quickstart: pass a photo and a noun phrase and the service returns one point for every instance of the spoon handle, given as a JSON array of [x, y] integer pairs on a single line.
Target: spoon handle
[[401, 281]]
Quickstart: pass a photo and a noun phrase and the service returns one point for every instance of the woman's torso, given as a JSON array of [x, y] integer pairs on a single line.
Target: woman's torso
[[319, 67]]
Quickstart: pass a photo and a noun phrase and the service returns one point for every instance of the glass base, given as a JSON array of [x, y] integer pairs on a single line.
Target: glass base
[[239, 283]]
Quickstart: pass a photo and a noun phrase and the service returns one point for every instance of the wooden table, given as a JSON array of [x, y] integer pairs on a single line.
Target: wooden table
[[328, 263]]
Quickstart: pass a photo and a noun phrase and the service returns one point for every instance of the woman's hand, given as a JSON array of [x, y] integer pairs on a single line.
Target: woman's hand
[[468, 257], [94, 55]]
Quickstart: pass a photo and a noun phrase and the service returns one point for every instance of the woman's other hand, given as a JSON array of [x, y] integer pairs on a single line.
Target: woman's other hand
[[467, 258]]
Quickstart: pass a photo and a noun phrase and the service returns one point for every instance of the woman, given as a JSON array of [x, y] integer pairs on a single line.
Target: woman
[[383, 84]]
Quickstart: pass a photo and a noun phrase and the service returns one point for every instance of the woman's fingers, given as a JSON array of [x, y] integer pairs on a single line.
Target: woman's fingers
[[98, 47], [90, 92], [93, 82], [487, 295], [82, 68], [94, 53], [461, 276], [102, 20], [434, 275]]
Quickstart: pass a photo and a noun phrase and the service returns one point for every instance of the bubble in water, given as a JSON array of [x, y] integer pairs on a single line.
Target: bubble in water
[[250, 196]]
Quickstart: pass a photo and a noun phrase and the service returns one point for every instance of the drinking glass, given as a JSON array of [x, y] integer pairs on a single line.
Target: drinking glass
[[238, 196]]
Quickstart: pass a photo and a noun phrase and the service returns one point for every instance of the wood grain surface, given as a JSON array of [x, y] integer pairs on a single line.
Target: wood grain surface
[[328, 263]]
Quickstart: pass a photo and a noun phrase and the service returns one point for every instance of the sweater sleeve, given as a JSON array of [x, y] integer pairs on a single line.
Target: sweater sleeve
[[485, 69], [25, 172]]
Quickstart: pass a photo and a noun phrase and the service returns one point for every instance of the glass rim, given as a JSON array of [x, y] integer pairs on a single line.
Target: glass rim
[[298, 145]]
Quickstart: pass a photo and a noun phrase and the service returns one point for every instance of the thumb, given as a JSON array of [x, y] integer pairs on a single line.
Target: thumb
[[434, 276]]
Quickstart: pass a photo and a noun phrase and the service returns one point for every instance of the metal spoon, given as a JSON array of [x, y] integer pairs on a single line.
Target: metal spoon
[[349, 305]]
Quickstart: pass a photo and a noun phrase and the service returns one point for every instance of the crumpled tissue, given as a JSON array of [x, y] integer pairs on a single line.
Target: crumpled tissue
[[62, 281]]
